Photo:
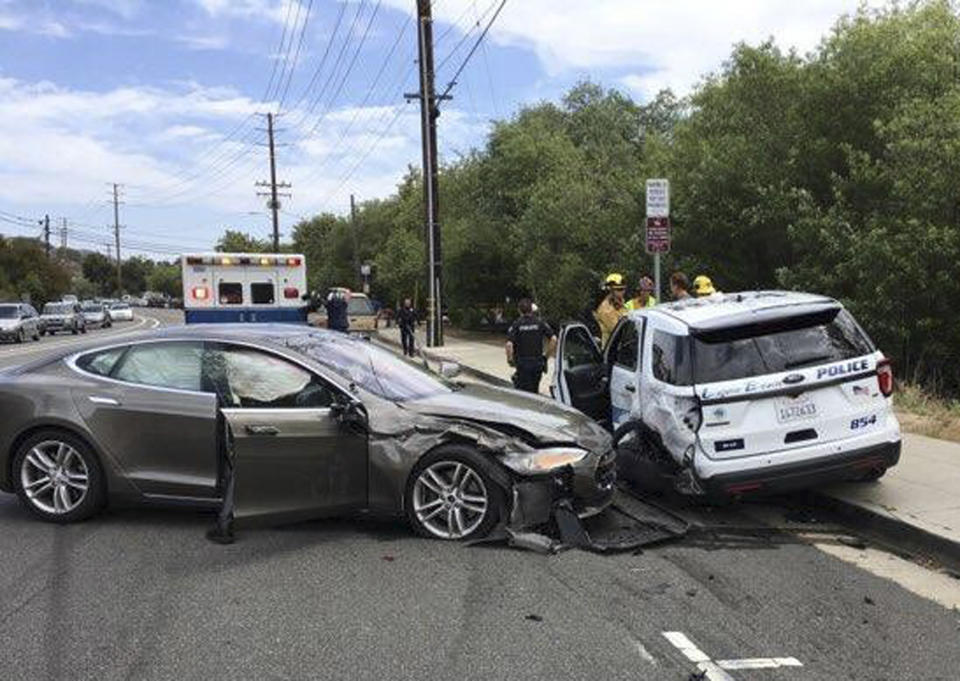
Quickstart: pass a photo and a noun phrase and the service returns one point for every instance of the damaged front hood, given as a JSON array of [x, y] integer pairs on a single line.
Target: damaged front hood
[[545, 421]]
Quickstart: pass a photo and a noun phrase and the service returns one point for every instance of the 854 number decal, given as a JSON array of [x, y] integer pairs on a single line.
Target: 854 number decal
[[863, 422]]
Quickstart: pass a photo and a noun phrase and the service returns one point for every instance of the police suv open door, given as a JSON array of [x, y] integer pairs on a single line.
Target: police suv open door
[[580, 376]]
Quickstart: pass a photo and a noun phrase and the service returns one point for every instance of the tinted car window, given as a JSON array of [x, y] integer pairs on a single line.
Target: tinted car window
[[262, 293], [671, 358], [101, 363], [167, 365], [9, 312], [627, 350], [245, 377], [92, 308], [230, 294], [772, 353], [579, 349]]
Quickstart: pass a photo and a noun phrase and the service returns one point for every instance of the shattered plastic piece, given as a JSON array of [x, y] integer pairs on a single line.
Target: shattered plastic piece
[[868, 600], [533, 618], [533, 541]]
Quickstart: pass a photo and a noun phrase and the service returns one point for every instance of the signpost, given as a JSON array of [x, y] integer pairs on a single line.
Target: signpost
[[658, 224]]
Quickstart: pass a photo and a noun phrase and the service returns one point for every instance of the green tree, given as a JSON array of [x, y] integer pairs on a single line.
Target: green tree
[[166, 278], [235, 241], [99, 270]]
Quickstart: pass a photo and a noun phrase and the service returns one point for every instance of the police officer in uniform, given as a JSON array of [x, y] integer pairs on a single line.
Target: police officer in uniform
[[525, 347]]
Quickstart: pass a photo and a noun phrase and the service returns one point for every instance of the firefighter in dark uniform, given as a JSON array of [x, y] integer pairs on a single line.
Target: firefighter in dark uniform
[[525, 347]]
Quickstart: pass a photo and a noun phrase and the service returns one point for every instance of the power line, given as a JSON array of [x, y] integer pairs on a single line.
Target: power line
[[296, 57], [466, 60]]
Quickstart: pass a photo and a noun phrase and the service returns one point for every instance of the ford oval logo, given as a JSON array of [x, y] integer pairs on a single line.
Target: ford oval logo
[[793, 378]]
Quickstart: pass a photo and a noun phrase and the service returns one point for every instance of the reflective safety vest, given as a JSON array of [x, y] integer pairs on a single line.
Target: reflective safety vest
[[632, 304]]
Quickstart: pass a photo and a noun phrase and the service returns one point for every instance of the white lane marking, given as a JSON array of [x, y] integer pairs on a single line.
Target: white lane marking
[[714, 670], [686, 646], [760, 663], [645, 654]]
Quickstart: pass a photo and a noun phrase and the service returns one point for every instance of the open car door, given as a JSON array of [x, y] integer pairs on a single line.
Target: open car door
[[580, 376], [296, 447]]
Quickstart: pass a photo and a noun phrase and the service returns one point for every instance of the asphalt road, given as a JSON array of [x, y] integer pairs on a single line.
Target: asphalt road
[[141, 594]]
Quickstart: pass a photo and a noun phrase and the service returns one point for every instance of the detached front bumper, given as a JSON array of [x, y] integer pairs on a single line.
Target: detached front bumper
[[808, 473]]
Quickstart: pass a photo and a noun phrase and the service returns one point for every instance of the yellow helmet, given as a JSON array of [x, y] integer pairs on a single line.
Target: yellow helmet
[[614, 280], [702, 286]]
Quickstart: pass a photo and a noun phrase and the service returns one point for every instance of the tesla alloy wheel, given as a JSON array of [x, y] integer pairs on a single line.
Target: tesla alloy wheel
[[451, 495], [58, 477]]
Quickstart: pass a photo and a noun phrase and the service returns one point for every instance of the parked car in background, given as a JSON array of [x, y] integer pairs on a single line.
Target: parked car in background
[[19, 321], [63, 317], [120, 312], [744, 392], [68, 298], [361, 313], [96, 315]]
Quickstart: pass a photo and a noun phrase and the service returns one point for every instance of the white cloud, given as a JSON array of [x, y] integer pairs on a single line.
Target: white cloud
[[272, 10], [203, 42], [668, 44]]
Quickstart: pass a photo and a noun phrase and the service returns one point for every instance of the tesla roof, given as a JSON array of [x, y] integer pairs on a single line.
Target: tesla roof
[[734, 309]]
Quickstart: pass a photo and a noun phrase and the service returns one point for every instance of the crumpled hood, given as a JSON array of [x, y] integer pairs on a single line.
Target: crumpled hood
[[545, 420]]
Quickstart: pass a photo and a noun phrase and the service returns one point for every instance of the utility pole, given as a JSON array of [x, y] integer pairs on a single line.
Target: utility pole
[[353, 230], [63, 235], [116, 234], [428, 132], [274, 202], [46, 233]]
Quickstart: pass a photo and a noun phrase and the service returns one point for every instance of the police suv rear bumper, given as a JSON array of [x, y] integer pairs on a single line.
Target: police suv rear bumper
[[809, 473]]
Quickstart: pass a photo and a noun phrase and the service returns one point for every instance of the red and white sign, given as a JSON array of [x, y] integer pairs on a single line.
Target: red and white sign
[[658, 235]]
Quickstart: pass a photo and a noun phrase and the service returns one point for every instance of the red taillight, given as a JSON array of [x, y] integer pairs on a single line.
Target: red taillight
[[293, 262], [200, 292], [885, 377], [291, 292]]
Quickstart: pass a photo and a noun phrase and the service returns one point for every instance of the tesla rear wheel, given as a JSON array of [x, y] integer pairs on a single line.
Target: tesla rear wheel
[[451, 495], [58, 477]]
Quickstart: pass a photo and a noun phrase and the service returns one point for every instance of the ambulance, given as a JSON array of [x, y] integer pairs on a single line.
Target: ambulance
[[244, 287]]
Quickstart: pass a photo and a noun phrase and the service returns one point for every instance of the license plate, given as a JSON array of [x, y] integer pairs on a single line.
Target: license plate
[[796, 409]]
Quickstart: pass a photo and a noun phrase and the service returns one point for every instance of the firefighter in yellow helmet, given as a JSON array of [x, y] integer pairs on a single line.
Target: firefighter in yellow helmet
[[612, 307], [702, 286]]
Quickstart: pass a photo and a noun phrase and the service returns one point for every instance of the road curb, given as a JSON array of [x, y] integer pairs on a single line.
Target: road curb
[[901, 532], [434, 356]]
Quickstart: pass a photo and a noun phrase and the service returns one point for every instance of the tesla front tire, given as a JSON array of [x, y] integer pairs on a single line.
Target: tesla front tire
[[451, 495], [58, 477]]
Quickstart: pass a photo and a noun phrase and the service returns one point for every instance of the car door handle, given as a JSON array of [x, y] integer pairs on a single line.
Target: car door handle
[[262, 430], [630, 388], [109, 401]]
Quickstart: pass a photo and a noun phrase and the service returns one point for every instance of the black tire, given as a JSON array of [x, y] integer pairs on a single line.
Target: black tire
[[21, 336], [480, 466], [36, 335], [83, 329], [75, 330], [95, 496]]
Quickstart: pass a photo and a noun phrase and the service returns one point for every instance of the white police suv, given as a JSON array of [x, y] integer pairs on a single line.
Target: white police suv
[[744, 392]]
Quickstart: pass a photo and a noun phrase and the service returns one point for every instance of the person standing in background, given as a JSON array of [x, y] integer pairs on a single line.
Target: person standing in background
[[525, 347], [643, 296], [407, 321]]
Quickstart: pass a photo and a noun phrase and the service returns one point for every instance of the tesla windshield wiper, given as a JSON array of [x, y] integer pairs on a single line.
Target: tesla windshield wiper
[[807, 360]]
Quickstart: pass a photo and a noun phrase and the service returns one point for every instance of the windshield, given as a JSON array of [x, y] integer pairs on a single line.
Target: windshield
[[58, 308], [92, 307], [8, 311], [360, 306], [375, 370], [119, 306]]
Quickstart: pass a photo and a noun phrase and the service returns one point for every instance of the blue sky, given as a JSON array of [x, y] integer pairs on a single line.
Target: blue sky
[[162, 96]]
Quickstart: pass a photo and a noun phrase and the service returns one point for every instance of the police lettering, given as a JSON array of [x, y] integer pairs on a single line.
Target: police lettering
[[843, 369]]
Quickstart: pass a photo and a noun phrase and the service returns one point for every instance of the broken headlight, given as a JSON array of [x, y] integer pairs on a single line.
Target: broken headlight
[[543, 460]]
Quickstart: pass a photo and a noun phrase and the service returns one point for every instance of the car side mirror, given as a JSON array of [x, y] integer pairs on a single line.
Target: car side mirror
[[449, 369]]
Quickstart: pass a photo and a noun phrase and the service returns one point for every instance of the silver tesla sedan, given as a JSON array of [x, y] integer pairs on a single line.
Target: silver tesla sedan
[[276, 423]]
